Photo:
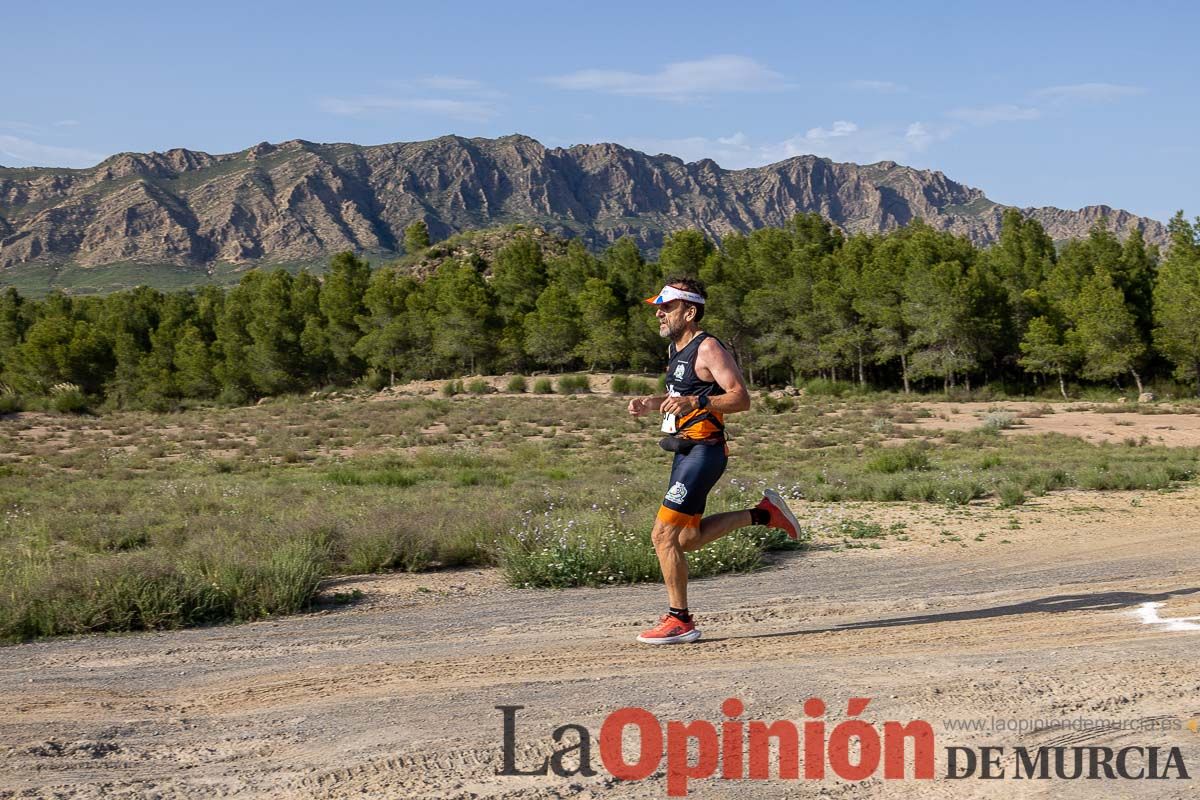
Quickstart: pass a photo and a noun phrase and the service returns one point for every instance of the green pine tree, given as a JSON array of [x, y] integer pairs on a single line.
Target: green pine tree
[[342, 306], [194, 364], [463, 328], [602, 321], [684, 253], [1105, 331], [1177, 301], [389, 339], [552, 329], [1046, 350], [416, 237]]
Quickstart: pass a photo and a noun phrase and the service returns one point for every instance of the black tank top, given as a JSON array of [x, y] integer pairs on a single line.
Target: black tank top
[[683, 380]]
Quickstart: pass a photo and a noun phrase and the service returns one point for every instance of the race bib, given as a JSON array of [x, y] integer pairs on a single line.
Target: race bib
[[668, 423]]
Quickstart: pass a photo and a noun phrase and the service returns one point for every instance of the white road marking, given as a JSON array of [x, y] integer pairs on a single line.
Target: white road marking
[[1148, 613]]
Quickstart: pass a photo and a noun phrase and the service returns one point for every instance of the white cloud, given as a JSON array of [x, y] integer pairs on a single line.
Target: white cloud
[[449, 83], [989, 115], [839, 128], [1088, 92], [918, 136], [13, 125], [44, 155], [469, 110], [841, 141], [724, 150], [886, 87], [66, 123], [474, 101], [678, 80]]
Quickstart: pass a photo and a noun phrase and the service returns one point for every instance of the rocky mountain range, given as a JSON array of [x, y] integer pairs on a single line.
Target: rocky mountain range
[[298, 202]]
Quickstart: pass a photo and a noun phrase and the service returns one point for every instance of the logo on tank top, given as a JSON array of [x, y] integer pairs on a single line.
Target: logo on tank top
[[677, 492], [679, 370]]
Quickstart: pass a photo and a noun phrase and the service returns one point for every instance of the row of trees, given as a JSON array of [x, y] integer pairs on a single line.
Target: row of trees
[[911, 306]]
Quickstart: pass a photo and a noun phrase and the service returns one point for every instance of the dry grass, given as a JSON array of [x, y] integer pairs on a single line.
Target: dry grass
[[142, 520]]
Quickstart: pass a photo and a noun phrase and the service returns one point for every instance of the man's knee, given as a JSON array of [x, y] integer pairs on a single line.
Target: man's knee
[[689, 539], [664, 535], [672, 528]]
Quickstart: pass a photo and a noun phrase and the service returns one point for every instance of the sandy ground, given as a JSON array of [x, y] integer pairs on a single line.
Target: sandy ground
[[1088, 421], [1037, 613]]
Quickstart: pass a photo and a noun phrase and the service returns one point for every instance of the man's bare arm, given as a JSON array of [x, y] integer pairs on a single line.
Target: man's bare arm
[[723, 370], [642, 405], [719, 361]]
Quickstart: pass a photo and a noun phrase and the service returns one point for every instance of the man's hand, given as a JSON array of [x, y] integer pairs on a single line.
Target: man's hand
[[680, 406], [640, 405]]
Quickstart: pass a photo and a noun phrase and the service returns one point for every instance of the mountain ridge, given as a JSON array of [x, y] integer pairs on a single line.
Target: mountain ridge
[[299, 201]]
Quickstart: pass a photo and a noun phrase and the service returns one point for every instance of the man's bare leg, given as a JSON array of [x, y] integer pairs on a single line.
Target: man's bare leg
[[712, 528], [667, 537], [672, 541]]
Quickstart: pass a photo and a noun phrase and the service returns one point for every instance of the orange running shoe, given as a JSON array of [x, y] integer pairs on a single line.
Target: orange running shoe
[[781, 516], [671, 630]]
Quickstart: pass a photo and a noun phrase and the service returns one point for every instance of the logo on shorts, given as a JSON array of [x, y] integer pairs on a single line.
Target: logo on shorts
[[679, 370], [677, 492]]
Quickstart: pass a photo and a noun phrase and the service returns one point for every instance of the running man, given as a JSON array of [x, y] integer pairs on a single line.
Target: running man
[[703, 385]]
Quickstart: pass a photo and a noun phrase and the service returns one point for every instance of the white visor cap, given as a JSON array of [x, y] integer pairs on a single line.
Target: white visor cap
[[670, 293]]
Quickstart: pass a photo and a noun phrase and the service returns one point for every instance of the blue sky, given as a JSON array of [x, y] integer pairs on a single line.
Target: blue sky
[[1048, 103]]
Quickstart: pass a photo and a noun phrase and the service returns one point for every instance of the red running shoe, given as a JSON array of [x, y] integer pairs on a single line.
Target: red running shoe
[[781, 516], [671, 630]]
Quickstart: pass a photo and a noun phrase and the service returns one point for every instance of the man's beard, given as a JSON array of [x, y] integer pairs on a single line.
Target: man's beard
[[672, 331]]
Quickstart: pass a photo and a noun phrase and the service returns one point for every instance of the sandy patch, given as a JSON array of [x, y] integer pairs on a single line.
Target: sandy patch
[[1093, 423]]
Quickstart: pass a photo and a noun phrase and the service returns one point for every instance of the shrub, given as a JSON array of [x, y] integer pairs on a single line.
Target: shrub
[[982, 394], [1000, 420], [626, 384], [233, 396], [479, 476], [1010, 494], [573, 384], [960, 492], [288, 580], [67, 398], [479, 386], [146, 591], [543, 386], [900, 459], [990, 461], [1037, 411], [823, 387], [593, 549], [860, 529], [772, 539], [451, 388], [778, 405], [385, 544], [388, 476], [10, 402], [375, 380], [1046, 481], [518, 384]]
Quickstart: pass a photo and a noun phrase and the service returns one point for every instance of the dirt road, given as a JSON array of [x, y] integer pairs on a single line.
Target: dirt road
[[394, 696]]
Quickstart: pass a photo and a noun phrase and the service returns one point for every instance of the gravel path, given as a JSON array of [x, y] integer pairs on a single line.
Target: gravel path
[[394, 696]]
